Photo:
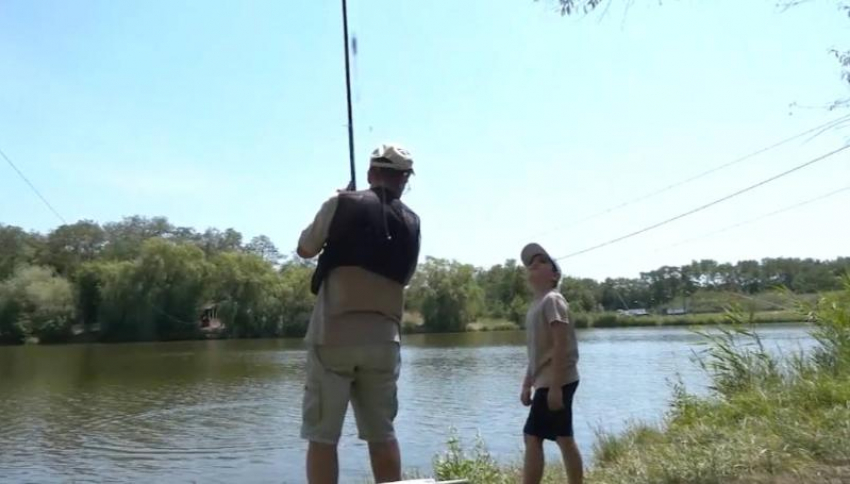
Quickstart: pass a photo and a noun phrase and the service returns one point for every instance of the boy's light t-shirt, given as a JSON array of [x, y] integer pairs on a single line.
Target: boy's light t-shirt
[[550, 309]]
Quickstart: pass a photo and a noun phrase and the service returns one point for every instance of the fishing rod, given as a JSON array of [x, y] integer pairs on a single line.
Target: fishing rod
[[352, 185]]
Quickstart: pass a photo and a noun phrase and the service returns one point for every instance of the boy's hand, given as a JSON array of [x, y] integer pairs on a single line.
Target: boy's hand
[[525, 396], [555, 399]]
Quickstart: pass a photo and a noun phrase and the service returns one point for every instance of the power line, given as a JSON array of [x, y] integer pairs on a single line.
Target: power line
[[34, 189], [762, 217], [817, 130], [707, 205]]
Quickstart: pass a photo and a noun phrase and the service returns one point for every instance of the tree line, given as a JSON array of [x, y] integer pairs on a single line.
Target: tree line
[[451, 295], [145, 279]]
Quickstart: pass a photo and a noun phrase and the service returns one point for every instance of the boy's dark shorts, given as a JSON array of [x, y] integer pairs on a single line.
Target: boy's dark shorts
[[546, 424]]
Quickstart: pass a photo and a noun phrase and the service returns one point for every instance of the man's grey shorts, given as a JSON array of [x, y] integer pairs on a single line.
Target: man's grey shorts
[[366, 376]]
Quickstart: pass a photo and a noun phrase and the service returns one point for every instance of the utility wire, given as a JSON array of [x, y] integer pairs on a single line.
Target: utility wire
[[816, 131], [762, 217], [56, 213], [707, 205], [34, 189]]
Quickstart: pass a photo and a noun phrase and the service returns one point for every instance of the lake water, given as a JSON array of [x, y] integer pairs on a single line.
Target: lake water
[[229, 411]]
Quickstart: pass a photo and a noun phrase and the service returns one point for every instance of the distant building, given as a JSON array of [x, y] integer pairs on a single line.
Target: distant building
[[209, 319], [675, 311], [634, 312]]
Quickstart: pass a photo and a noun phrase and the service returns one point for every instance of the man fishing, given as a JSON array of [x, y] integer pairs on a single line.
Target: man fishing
[[369, 243]]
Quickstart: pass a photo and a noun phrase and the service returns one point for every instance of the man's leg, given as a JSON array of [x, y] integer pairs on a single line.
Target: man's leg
[[572, 460], [375, 403], [532, 471], [386, 461], [322, 463], [326, 396]]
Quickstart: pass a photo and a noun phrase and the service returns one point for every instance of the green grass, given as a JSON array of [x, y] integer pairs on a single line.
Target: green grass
[[413, 323], [713, 301], [615, 320], [478, 466], [769, 420]]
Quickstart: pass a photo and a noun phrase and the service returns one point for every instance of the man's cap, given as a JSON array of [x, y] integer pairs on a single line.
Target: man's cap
[[533, 249], [392, 156]]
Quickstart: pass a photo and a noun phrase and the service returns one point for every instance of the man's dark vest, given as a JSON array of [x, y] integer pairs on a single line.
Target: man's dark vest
[[374, 230]]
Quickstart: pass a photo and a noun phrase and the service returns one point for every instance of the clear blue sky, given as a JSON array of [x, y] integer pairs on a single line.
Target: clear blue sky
[[232, 114]]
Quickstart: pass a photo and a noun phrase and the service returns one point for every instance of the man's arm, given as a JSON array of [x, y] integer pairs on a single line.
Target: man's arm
[[313, 238], [409, 276], [302, 253]]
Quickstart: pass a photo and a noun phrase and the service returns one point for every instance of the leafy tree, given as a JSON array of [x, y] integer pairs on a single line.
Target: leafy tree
[[244, 285], [451, 297], [70, 246], [157, 296], [35, 302], [294, 298], [12, 326], [749, 277], [144, 279], [214, 241], [502, 285], [582, 294], [126, 238], [17, 248], [88, 295], [264, 248], [415, 292], [624, 293]]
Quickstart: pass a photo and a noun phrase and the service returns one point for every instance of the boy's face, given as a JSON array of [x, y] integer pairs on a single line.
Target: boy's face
[[541, 274]]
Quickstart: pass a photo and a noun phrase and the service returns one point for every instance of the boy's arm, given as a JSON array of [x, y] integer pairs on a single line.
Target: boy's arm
[[559, 352], [527, 380], [525, 394], [556, 312]]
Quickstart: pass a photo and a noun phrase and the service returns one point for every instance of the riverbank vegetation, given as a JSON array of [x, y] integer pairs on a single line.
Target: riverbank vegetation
[[768, 418], [144, 279], [618, 320]]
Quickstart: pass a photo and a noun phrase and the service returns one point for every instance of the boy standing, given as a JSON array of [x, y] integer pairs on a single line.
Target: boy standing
[[552, 369]]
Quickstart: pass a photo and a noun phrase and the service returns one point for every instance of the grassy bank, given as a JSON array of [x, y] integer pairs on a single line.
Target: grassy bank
[[768, 420], [413, 322], [615, 320]]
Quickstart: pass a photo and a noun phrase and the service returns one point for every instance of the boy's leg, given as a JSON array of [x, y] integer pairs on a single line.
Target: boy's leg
[[532, 470], [566, 442], [572, 460], [374, 398]]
